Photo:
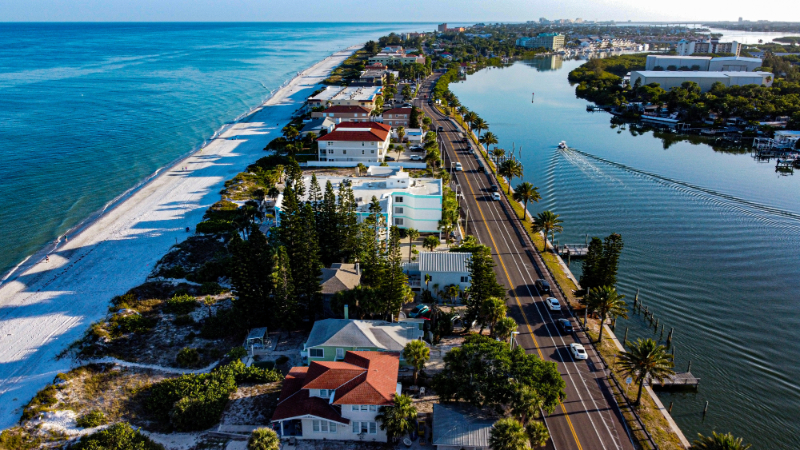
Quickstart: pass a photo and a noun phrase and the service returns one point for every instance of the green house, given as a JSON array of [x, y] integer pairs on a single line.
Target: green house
[[330, 339]]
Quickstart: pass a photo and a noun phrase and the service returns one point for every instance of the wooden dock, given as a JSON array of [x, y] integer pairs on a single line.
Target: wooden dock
[[681, 380], [573, 250]]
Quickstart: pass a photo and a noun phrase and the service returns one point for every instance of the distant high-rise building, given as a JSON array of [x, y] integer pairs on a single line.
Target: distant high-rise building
[[740, 19], [543, 20], [442, 27], [687, 48], [550, 41]]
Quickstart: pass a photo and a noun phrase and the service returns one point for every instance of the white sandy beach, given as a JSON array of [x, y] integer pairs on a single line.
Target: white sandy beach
[[46, 306]]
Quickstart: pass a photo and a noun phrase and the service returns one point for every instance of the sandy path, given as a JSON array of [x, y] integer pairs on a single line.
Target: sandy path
[[45, 306]]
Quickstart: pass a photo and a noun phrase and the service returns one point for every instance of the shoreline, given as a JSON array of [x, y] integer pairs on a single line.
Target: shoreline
[[45, 306]]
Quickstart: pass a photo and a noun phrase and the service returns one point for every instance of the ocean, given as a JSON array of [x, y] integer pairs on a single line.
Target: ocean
[[92, 110]]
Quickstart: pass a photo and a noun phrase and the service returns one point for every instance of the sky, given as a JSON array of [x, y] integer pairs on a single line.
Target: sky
[[389, 11]]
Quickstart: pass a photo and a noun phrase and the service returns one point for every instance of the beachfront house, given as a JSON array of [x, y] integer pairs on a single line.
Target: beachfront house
[[364, 96], [338, 400], [318, 126], [361, 142], [405, 202], [444, 268], [330, 339], [345, 114]]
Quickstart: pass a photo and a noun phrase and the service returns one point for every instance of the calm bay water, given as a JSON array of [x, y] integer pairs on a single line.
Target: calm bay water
[[90, 110], [711, 240]]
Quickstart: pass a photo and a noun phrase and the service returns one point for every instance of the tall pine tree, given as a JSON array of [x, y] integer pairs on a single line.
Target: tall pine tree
[[251, 260], [328, 228], [285, 301], [483, 282], [394, 283]]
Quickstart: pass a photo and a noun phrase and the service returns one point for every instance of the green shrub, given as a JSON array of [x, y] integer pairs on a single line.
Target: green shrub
[[211, 288], [181, 304], [215, 227], [283, 359], [43, 400], [183, 320], [188, 357], [263, 439], [119, 436], [92, 419], [173, 272], [237, 353], [16, 438]]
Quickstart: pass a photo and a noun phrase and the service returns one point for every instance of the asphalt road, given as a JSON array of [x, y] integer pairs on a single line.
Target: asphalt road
[[589, 417]]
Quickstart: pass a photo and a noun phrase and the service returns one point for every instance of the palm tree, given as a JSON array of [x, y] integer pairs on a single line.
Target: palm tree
[[397, 419], [504, 328], [290, 132], [526, 403], [428, 279], [463, 111], [510, 168], [412, 234], [547, 221], [646, 359], [430, 242], [401, 133], [498, 153], [607, 303], [452, 292], [361, 168], [508, 434], [537, 433], [525, 192], [470, 117], [718, 442], [488, 139], [492, 310], [416, 353], [263, 439], [479, 124]]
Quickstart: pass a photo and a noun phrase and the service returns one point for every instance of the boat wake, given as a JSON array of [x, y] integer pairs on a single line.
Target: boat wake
[[583, 161]]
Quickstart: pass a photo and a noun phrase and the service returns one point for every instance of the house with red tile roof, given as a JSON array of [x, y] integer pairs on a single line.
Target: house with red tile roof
[[397, 117], [345, 113], [338, 400], [351, 141]]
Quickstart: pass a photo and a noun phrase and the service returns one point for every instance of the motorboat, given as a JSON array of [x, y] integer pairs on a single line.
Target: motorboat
[[562, 145]]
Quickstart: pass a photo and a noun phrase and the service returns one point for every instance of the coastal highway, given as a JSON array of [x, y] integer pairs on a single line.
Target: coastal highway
[[589, 417]]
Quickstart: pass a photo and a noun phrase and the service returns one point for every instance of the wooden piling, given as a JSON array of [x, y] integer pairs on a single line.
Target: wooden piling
[[625, 340], [670, 407], [669, 338], [705, 410], [689, 368]]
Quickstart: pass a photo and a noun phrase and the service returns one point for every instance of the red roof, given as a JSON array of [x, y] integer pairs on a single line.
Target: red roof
[[347, 109], [364, 131], [363, 378], [406, 111]]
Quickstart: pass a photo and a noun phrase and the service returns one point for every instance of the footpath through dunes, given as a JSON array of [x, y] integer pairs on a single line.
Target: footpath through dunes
[[589, 418], [45, 306]]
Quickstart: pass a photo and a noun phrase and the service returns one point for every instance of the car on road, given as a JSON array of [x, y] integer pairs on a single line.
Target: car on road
[[496, 196], [494, 188], [416, 148], [459, 167], [388, 158], [543, 286], [440, 129], [564, 325], [415, 157], [577, 350], [419, 311], [430, 102], [552, 304]]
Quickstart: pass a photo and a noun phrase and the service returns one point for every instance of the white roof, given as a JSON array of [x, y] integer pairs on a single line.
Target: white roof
[[454, 262], [738, 58], [698, 74], [363, 333]]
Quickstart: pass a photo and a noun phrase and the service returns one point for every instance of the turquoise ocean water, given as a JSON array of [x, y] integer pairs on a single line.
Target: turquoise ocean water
[[89, 111]]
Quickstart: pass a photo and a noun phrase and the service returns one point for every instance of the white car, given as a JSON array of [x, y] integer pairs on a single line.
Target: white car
[[496, 196], [459, 168], [578, 352], [415, 157], [553, 304]]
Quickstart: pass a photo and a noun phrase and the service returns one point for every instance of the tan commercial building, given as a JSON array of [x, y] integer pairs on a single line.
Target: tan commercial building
[[549, 41]]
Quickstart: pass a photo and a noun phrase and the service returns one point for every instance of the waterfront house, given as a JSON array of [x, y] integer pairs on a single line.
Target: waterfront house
[[445, 269], [397, 117], [318, 126], [338, 400], [364, 96], [345, 114], [355, 141], [405, 202], [459, 426], [330, 339]]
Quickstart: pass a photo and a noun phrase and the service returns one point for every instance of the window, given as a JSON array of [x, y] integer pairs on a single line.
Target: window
[[398, 221], [364, 407], [325, 393], [398, 199], [316, 353], [365, 427], [373, 407], [355, 407], [344, 152], [398, 210], [324, 426], [465, 279], [362, 144], [330, 150], [372, 151], [330, 143], [362, 152], [339, 353], [373, 428]]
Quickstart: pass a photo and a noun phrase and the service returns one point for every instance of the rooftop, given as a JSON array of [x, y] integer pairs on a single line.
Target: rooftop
[[358, 132], [362, 333], [443, 261], [698, 74], [340, 277], [367, 187], [458, 425], [360, 93], [346, 109]]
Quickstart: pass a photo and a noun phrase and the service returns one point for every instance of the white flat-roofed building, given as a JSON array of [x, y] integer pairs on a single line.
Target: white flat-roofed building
[[690, 47], [355, 141], [671, 79], [444, 268], [405, 202], [665, 61], [363, 96], [734, 64]]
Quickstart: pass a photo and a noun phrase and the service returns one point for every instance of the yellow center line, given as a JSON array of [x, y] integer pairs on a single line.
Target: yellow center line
[[513, 290]]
